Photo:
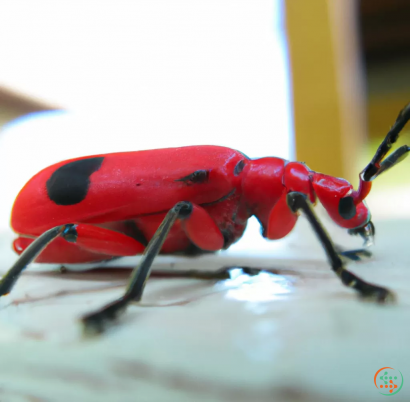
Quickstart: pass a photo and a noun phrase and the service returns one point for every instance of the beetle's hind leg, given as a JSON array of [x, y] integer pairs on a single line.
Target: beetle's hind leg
[[101, 241], [297, 202], [199, 227], [29, 255]]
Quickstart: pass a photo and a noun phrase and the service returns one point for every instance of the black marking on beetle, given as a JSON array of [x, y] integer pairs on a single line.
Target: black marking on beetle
[[239, 167], [135, 232], [347, 209], [223, 198], [197, 177], [69, 184]]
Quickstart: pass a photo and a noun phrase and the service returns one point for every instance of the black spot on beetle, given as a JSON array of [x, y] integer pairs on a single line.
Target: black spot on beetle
[[138, 184], [197, 177], [132, 230], [69, 184], [239, 167], [347, 209]]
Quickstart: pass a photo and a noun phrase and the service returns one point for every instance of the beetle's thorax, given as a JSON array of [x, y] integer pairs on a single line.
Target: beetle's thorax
[[298, 177], [266, 179]]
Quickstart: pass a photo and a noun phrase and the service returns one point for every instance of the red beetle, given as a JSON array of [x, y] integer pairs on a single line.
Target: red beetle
[[181, 200]]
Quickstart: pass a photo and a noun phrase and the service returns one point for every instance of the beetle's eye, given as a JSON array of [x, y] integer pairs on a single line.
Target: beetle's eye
[[347, 209]]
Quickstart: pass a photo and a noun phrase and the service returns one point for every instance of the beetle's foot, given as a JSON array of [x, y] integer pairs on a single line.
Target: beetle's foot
[[92, 325], [5, 288], [96, 323], [354, 255], [378, 294]]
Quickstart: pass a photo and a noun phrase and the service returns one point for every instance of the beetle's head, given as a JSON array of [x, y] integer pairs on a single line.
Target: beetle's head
[[344, 205]]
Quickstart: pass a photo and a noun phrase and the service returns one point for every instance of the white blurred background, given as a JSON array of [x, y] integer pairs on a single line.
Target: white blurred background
[[136, 75]]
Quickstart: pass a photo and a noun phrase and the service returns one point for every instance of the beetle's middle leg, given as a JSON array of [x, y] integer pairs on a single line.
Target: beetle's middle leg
[[200, 229], [298, 201]]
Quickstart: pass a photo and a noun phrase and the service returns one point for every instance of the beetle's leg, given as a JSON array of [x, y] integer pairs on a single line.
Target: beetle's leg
[[200, 228], [297, 202], [88, 237], [377, 165], [354, 255], [85, 242], [32, 251], [282, 220]]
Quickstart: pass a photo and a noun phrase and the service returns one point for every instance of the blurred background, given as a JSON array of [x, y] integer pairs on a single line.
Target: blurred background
[[319, 81]]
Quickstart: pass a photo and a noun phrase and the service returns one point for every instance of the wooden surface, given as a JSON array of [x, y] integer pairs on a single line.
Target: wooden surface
[[293, 335]]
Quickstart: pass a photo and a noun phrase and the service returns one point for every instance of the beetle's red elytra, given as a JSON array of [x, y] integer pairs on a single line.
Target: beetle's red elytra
[[181, 200]]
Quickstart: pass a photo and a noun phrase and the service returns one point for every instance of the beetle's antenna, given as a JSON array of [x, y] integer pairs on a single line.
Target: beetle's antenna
[[377, 165], [362, 192]]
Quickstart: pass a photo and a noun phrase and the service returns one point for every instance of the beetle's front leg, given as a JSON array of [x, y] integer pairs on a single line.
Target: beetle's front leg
[[199, 227], [297, 202]]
